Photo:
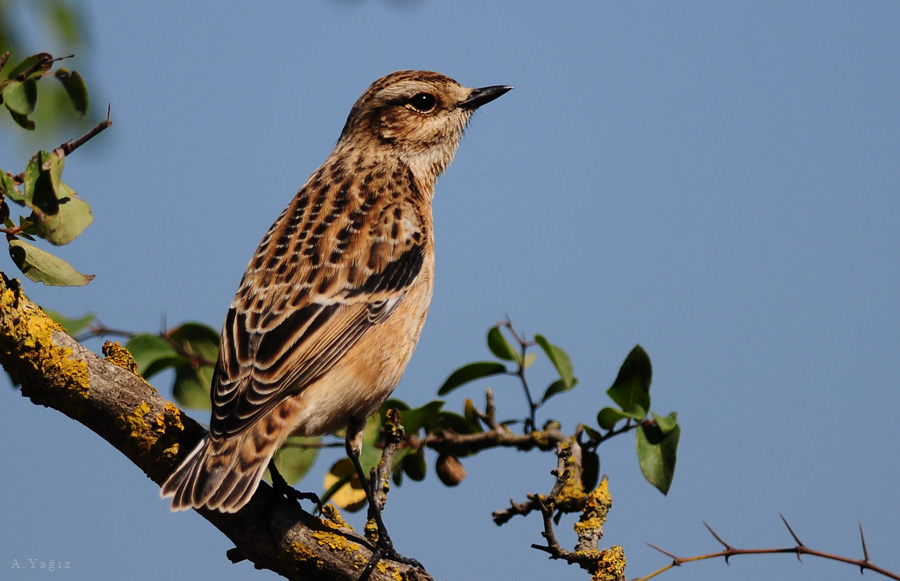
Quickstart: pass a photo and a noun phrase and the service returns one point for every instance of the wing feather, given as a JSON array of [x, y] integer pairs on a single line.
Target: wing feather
[[294, 315]]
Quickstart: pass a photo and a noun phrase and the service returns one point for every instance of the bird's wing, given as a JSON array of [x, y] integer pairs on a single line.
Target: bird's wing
[[326, 272]]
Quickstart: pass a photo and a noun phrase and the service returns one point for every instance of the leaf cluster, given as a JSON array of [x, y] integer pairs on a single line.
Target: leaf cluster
[[57, 214], [190, 351], [656, 436]]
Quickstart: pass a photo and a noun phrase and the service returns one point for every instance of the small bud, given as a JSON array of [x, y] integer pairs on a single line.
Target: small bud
[[450, 470]]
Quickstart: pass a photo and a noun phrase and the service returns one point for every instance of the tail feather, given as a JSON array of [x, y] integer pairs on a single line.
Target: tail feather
[[223, 473], [218, 474]]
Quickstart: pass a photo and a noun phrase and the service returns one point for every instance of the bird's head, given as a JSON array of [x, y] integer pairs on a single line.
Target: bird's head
[[417, 116]]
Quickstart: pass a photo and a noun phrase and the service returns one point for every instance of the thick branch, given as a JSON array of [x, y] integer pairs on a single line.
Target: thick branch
[[57, 372]]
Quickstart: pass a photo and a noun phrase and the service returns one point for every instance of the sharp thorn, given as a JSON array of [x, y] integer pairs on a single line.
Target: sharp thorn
[[790, 530], [666, 553], [717, 537], [862, 537]]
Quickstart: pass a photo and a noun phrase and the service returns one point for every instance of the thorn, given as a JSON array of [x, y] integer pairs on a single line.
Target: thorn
[[717, 537], [790, 530], [862, 537], [543, 548], [796, 538], [675, 558]]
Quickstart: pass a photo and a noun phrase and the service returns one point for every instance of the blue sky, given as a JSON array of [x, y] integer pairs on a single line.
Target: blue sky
[[715, 181]]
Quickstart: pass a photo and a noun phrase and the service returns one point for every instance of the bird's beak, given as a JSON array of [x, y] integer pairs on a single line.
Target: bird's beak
[[479, 97]]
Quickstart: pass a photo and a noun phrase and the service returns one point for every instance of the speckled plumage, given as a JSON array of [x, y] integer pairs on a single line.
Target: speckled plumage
[[334, 299]]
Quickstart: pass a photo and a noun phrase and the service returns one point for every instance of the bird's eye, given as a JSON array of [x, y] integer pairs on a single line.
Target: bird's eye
[[422, 102]]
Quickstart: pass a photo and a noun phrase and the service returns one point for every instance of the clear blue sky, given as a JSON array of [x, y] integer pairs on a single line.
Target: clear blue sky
[[719, 182]]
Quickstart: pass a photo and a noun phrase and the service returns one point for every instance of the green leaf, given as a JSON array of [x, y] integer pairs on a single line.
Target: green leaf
[[69, 222], [666, 423], [40, 62], [9, 189], [470, 412], [593, 434], [413, 419], [415, 466], [397, 404], [21, 96], [26, 226], [609, 417], [23, 121], [471, 372], [560, 360], [631, 390], [294, 460], [454, 422], [57, 161], [196, 339], [472, 421], [657, 450], [192, 383], [192, 349], [71, 325], [41, 266], [75, 88], [371, 452], [558, 386], [40, 192], [153, 354], [529, 360], [499, 346]]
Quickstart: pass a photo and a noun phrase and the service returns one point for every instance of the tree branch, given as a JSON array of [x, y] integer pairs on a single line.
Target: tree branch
[[106, 396], [799, 550]]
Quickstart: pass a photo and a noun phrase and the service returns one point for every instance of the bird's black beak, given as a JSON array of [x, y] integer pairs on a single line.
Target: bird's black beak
[[479, 97]]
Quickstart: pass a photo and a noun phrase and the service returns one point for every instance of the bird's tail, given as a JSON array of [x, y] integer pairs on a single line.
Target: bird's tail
[[220, 474]]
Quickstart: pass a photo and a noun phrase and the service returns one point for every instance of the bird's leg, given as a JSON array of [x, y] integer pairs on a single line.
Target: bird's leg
[[384, 547], [283, 488]]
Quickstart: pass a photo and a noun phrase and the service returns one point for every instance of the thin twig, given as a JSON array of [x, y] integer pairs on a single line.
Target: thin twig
[[70, 146], [530, 422], [799, 549]]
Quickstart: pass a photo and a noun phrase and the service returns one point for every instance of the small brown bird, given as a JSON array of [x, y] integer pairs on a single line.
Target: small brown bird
[[333, 302]]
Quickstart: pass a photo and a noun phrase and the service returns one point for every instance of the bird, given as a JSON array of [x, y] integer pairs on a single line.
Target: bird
[[333, 301]]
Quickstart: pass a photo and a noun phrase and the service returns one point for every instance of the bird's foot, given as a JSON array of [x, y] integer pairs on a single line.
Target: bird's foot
[[384, 549], [281, 487]]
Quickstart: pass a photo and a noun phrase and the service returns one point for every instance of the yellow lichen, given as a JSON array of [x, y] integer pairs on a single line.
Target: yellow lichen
[[30, 355], [599, 501], [170, 422], [609, 565], [573, 490], [333, 517], [590, 524], [371, 530], [335, 541], [120, 356], [383, 566], [540, 438], [137, 427], [152, 435], [296, 554]]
